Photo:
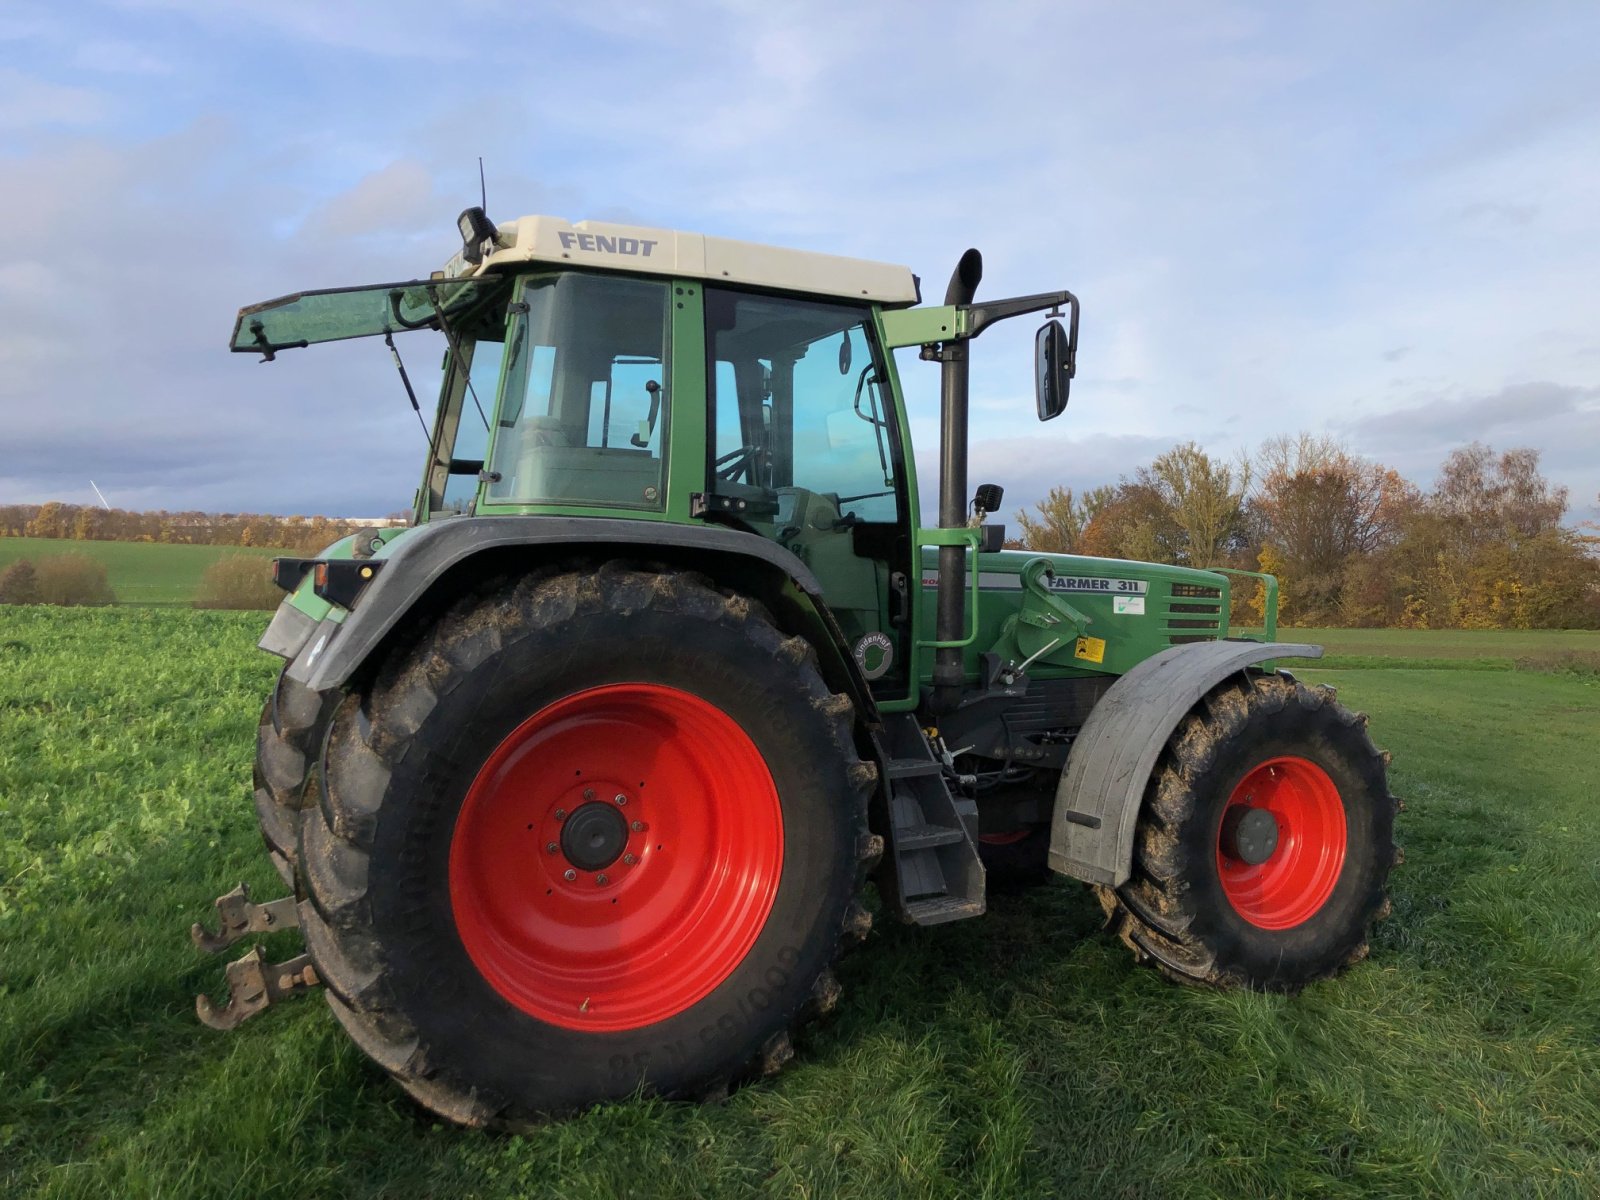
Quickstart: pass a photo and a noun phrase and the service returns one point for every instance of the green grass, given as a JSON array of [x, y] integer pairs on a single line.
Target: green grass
[[140, 572], [1021, 1054], [1440, 649]]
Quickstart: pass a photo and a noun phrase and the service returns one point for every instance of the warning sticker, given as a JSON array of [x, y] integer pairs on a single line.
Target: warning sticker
[[1128, 604], [1090, 649]]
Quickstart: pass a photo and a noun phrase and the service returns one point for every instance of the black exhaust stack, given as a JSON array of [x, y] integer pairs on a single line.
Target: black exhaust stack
[[952, 594]]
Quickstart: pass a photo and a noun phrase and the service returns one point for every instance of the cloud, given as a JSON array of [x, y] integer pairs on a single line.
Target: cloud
[[1500, 214], [29, 103], [1514, 410], [399, 198]]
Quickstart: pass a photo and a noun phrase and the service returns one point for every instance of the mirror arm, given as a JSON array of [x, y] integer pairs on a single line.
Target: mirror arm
[[980, 316]]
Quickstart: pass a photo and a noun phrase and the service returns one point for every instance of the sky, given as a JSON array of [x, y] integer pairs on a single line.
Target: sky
[[1375, 221]]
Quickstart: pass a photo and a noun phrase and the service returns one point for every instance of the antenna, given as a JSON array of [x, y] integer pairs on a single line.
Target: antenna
[[483, 188], [98, 492]]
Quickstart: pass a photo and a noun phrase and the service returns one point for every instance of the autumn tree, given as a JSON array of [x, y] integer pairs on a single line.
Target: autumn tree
[[1320, 514], [1205, 498], [1488, 549], [1055, 525]]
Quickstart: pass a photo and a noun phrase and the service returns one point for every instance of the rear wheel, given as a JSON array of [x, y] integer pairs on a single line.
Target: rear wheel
[[592, 833], [1265, 843]]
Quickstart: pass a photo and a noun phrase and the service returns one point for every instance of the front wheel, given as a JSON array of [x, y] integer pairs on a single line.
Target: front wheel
[[1265, 843], [593, 833]]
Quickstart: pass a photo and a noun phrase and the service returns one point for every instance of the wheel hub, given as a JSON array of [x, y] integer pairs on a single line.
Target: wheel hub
[[593, 836], [1281, 842], [1249, 834]]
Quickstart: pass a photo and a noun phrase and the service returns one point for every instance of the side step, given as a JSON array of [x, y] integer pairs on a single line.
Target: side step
[[938, 875]]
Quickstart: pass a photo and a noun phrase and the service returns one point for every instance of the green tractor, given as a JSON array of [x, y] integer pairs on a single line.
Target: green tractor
[[579, 781]]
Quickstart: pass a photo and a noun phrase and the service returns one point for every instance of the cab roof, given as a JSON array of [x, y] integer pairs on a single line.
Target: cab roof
[[605, 245]]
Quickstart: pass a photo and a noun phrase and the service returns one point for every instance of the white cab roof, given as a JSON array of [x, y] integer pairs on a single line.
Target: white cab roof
[[608, 246]]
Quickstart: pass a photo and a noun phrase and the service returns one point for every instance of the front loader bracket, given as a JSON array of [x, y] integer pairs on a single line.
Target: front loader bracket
[[238, 917], [253, 984]]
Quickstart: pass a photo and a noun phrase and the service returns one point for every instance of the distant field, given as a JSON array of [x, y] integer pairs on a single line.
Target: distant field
[[1476, 649], [140, 572]]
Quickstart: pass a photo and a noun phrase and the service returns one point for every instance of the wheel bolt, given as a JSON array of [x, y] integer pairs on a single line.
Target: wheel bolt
[[569, 874], [621, 799], [630, 859], [561, 814], [602, 880], [588, 793], [638, 826], [551, 847]]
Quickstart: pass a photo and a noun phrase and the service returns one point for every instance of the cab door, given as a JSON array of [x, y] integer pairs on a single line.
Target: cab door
[[800, 432]]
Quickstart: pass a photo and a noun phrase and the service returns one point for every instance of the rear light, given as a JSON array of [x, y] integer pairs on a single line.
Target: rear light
[[339, 581], [288, 572]]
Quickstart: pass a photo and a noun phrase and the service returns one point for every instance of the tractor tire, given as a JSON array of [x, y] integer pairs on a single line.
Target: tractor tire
[[288, 741], [1221, 895], [594, 833]]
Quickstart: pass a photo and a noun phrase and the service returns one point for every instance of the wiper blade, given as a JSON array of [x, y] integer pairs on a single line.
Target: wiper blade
[[455, 351], [269, 350]]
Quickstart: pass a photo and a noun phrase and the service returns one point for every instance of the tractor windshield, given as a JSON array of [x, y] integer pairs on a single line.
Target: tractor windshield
[[584, 404], [334, 314]]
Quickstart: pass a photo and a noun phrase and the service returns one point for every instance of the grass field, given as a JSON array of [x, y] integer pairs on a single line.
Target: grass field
[[1019, 1055], [140, 572]]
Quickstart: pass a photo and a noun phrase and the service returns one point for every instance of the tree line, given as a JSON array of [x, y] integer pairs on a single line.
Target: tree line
[[1350, 540], [86, 523]]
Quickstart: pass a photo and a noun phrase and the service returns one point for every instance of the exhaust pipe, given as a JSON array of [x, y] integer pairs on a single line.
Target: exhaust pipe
[[951, 617]]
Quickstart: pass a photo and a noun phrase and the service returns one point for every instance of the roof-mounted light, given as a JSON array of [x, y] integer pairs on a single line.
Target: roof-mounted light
[[476, 229]]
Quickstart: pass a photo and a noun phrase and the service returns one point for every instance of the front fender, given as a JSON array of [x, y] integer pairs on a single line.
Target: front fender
[[1103, 787], [445, 557]]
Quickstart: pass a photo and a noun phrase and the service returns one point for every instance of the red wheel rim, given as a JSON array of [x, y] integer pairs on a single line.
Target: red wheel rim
[[699, 849], [1010, 838], [1297, 878]]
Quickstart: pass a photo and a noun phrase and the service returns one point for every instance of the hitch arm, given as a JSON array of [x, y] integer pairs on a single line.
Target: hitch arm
[[238, 917], [253, 984]]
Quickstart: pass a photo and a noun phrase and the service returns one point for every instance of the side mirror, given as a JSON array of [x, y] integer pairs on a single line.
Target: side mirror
[[1054, 366]]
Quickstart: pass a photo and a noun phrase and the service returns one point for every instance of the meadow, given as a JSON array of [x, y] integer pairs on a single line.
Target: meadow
[[139, 572], [1019, 1055]]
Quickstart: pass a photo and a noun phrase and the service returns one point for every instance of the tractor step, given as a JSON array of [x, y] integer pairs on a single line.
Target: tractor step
[[238, 917], [936, 910], [938, 876], [920, 837], [255, 984], [911, 768]]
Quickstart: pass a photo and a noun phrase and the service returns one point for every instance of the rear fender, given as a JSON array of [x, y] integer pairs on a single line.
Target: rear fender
[[433, 565], [1103, 788]]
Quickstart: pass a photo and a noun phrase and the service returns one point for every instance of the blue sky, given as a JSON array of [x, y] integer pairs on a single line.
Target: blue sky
[[1372, 220]]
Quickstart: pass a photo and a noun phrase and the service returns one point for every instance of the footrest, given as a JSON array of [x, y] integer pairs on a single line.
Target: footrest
[[921, 837], [936, 910], [911, 768]]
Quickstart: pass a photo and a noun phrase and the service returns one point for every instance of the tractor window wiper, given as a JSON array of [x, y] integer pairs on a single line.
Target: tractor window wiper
[[455, 350]]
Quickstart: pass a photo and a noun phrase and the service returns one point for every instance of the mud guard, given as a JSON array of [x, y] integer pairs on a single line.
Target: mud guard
[[325, 655], [1103, 787]]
